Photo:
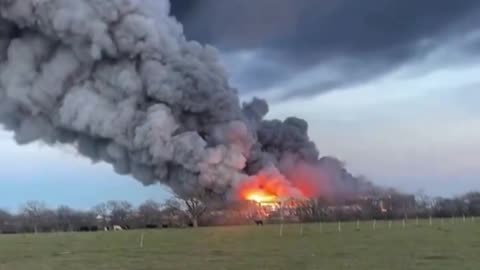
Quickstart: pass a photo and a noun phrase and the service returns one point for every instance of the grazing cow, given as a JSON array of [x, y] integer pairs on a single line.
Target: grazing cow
[[83, 229], [117, 228], [259, 222]]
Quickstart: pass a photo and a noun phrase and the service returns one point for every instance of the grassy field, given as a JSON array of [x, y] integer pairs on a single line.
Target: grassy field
[[313, 246]]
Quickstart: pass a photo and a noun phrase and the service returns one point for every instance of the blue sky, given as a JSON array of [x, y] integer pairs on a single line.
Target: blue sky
[[394, 97], [58, 176]]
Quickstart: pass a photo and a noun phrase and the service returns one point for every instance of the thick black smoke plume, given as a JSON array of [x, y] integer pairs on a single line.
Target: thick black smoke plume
[[118, 80]]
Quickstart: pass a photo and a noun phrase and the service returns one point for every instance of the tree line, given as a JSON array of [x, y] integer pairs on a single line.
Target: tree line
[[35, 216], [391, 206]]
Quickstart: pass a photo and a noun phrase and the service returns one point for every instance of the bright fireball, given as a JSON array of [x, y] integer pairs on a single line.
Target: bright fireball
[[260, 196]]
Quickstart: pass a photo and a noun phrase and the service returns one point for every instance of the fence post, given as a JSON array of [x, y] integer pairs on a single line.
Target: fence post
[[142, 236], [282, 218]]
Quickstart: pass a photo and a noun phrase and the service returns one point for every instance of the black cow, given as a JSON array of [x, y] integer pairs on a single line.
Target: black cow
[[84, 229], [259, 222]]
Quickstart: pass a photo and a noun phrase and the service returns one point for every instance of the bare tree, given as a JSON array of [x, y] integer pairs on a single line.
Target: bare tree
[[119, 211], [102, 213], [149, 212], [445, 207], [193, 206], [48, 221], [4, 216], [472, 200], [33, 212], [195, 209], [65, 218], [172, 212], [424, 204], [5, 219], [83, 219]]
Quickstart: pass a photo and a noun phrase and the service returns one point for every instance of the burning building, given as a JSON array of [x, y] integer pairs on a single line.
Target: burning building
[[118, 81]]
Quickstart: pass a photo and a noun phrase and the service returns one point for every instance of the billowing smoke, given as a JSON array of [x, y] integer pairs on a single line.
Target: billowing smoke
[[118, 80]]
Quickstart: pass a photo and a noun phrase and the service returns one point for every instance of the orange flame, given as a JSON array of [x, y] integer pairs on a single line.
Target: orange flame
[[268, 186], [260, 196]]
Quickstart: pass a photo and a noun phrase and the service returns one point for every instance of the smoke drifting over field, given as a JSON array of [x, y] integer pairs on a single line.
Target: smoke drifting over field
[[118, 80]]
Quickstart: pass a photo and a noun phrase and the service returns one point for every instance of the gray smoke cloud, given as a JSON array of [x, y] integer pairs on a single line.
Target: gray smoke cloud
[[118, 80]]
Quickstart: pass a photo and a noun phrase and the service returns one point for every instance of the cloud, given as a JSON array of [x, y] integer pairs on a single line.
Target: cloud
[[369, 37]]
